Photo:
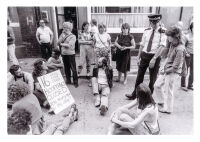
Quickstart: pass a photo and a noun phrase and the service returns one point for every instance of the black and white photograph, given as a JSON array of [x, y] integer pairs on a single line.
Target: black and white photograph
[[100, 70]]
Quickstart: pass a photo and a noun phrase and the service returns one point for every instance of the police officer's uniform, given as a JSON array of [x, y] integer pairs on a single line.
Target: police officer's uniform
[[158, 39]]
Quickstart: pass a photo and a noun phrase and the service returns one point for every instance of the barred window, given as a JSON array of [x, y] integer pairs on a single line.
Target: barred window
[[113, 17]]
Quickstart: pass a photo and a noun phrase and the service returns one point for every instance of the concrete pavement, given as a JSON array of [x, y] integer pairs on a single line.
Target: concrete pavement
[[91, 123]]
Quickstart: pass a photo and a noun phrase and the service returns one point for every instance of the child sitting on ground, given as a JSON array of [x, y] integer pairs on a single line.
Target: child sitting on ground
[[55, 62]]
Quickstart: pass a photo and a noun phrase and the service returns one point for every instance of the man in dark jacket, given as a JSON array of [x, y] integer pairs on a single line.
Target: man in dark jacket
[[101, 84]]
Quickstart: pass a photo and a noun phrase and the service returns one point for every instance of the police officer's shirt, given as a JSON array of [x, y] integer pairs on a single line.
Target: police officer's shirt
[[159, 39]]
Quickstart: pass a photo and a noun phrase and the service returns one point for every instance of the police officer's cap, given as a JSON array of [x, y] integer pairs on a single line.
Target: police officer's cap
[[155, 17]]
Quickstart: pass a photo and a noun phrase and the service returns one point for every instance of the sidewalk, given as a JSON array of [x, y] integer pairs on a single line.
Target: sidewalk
[[180, 122], [27, 65]]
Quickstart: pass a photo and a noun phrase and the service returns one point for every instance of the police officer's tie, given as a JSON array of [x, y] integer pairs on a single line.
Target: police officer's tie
[[150, 41]]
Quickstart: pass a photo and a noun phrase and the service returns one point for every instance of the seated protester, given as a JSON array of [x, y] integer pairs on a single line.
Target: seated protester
[[55, 62], [145, 118], [101, 84], [174, 66], [40, 69], [19, 93], [15, 73], [20, 123]]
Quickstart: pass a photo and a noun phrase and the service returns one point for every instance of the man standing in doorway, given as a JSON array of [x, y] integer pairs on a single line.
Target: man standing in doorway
[[151, 46], [44, 36]]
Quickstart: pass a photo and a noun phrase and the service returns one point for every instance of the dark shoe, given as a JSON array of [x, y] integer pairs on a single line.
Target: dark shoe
[[51, 112], [9, 106], [190, 88], [68, 82], [184, 89], [46, 105], [164, 111], [76, 85], [130, 96], [103, 110]]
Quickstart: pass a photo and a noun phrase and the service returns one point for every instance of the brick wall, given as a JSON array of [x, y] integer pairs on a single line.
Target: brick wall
[[29, 45]]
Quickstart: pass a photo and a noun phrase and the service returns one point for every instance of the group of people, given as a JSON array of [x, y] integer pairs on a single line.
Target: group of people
[[167, 53]]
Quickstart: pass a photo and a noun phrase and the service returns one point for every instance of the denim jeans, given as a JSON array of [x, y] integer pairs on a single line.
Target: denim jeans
[[164, 90], [102, 90], [189, 63]]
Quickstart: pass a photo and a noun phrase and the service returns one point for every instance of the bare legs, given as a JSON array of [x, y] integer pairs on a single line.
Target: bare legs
[[119, 77]]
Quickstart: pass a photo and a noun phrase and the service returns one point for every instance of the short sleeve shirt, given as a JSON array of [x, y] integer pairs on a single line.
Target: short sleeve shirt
[[102, 40], [44, 34], [159, 39], [31, 104]]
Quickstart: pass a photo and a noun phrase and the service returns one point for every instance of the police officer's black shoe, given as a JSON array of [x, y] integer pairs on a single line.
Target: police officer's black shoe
[[130, 96]]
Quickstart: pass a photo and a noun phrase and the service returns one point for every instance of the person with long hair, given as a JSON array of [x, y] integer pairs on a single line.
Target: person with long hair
[[140, 121], [124, 42], [174, 67], [86, 49], [40, 69]]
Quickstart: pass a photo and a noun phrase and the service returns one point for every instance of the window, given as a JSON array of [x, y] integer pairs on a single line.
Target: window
[[113, 17]]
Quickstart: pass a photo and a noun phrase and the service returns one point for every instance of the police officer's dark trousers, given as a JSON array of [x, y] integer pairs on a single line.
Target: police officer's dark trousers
[[144, 64]]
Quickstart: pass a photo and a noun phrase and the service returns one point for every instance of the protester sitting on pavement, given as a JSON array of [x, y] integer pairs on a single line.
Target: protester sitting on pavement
[[145, 118], [67, 42], [124, 42], [40, 69], [20, 123], [15, 73], [19, 93], [174, 66], [55, 62], [102, 43], [101, 84]]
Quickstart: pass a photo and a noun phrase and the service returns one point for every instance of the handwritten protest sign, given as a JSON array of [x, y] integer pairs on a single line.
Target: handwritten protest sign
[[56, 91]]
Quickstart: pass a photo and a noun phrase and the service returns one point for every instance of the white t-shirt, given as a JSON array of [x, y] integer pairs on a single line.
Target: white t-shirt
[[94, 29], [44, 34], [102, 40], [102, 78]]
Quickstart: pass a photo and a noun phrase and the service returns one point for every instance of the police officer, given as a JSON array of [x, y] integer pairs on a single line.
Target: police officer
[[151, 46]]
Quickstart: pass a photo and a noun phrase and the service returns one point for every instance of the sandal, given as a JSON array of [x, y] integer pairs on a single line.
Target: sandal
[[74, 112]]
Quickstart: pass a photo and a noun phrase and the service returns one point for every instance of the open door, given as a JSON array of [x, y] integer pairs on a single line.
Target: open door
[[70, 14]]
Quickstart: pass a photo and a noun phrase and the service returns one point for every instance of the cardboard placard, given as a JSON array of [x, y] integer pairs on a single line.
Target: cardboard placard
[[56, 91]]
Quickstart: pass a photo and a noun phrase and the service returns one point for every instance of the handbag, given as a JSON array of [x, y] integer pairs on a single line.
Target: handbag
[[103, 51], [114, 53]]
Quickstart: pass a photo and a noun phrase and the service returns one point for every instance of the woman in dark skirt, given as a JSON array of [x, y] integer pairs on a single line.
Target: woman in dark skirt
[[124, 42]]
